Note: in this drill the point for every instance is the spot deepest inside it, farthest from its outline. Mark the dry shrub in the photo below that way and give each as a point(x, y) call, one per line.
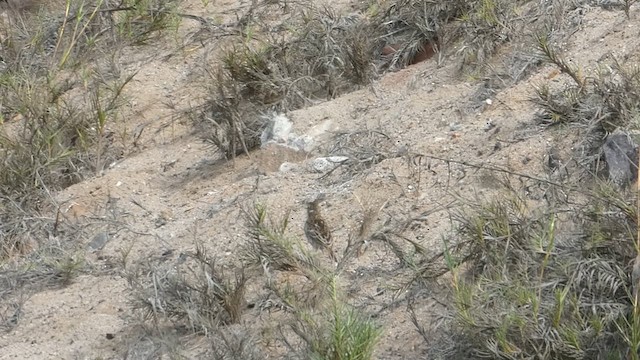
point(269, 246)
point(358, 151)
point(595, 106)
point(411, 26)
point(317, 56)
point(56, 108)
point(226, 120)
point(527, 285)
point(199, 297)
point(60, 136)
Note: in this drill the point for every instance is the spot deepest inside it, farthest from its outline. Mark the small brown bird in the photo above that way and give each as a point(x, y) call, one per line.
point(316, 229)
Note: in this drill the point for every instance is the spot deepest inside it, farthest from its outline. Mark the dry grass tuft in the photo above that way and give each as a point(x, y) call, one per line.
point(199, 297)
point(59, 101)
point(269, 246)
point(358, 151)
point(596, 106)
point(525, 284)
point(317, 55)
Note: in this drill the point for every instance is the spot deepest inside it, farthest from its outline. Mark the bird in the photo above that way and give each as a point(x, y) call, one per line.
point(316, 229)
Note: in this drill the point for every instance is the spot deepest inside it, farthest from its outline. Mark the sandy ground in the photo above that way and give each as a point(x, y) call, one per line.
point(171, 188)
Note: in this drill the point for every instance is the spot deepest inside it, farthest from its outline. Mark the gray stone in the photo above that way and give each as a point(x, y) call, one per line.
point(99, 241)
point(277, 131)
point(324, 164)
point(288, 167)
point(621, 157)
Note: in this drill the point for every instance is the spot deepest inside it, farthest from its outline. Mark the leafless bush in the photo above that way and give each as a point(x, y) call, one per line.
point(199, 297)
point(360, 150)
point(411, 26)
point(234, 344)
point(227, 120)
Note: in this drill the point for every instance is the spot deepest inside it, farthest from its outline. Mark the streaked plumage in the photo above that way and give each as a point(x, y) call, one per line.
point(316, 229)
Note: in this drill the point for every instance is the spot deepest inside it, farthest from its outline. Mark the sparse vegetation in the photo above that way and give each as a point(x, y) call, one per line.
point(325, 326)
point(199, 296)
point(596, 105)
point(320, 323)
point(317, 55)
point(546, 277)
point(269, 244)
point(524, 286)
point(58, 108)
point(336, 331)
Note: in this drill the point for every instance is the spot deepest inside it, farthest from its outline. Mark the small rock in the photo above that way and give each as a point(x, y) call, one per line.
point(488, 126)
point(287, 167)
point(214, 209)
point(98, 242)
point(160, 221)
point(278, 130)
point(620, 154)
point(325, 164)
point(303, 143)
